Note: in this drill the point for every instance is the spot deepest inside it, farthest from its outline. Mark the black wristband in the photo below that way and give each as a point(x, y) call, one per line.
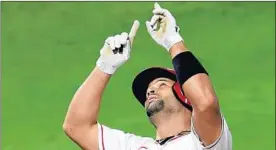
point(186, 65)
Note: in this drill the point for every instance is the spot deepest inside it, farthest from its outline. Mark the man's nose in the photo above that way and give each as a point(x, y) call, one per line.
point(150, 91)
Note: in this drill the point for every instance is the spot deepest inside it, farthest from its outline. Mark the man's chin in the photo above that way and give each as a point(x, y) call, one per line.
point(154, 107)
point(151, 104)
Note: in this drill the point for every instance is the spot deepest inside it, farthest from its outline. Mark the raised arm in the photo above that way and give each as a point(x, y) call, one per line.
point(190, 74)
point(198, 89)
point(81, 119)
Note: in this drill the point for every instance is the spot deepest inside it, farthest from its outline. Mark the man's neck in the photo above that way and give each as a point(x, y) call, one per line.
point(172, 124)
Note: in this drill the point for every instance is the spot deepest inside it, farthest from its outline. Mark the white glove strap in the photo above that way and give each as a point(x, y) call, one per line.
point(171, 40)
point(105, 67)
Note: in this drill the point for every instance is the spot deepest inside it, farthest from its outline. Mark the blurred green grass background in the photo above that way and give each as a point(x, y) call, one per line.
point(49, 48)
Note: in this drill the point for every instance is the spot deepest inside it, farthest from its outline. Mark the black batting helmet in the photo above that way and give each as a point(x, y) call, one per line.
point(143, 79)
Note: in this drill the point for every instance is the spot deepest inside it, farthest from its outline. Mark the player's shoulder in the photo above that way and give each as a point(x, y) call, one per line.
point(224, 141)
point(119, 139)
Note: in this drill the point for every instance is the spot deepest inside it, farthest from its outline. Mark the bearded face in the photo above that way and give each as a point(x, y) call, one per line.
point(160, 96)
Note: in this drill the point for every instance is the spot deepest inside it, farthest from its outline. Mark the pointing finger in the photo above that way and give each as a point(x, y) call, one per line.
point(133, 31)
point(157, 6)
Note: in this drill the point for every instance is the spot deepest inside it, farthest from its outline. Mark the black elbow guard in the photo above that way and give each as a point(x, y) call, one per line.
point(186, 65)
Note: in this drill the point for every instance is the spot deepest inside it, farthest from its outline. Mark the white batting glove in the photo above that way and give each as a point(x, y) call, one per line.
point(168, 33)
point(116, 50)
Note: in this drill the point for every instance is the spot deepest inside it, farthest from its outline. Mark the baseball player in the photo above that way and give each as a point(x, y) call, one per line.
point(181, 104)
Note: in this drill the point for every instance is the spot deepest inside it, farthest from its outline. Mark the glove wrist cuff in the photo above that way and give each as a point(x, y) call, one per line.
point(105, 67)
point(171, 40)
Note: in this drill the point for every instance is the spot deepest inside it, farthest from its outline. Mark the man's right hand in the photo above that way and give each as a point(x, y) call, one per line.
point(116, 50)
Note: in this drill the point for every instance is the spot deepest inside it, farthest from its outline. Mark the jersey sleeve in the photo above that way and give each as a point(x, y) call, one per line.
point(223, 142)
point(113, 139)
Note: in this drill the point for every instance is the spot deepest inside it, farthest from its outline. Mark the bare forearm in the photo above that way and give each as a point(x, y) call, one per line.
point(198, 89)
point(85, 104)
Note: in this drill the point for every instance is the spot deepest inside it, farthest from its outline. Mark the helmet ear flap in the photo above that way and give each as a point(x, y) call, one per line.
point(179, 94)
